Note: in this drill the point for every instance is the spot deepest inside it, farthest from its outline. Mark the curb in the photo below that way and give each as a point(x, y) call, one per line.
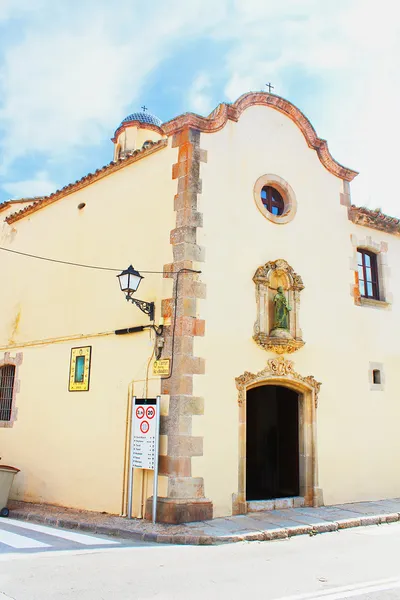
point(208, 540)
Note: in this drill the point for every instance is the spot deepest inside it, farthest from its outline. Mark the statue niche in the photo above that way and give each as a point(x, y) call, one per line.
point(278, 290)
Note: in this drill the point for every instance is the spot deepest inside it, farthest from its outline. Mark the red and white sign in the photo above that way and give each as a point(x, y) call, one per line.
point(150, 412)
point(140, 412)
point(145, 427)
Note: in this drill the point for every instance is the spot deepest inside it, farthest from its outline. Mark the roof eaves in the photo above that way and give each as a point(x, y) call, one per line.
point(375, 219)
point(139, 125)
point(8, 203)
point(23, 200)
point(88, 179)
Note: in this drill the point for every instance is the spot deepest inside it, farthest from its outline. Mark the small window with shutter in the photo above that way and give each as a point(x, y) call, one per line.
point(7, 381)
point(376, 376)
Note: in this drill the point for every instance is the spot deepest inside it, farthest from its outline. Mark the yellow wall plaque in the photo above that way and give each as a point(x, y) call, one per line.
point(79, 371)
point(161, 367)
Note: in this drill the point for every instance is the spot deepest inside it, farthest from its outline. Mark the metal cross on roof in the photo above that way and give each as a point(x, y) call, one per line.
point(144, 108)
point(270, 87)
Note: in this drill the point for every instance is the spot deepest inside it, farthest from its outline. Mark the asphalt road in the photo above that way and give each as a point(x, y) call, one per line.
point(359, 563)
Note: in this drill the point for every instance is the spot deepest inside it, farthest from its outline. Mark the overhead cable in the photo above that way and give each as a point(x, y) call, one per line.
point(73, 264)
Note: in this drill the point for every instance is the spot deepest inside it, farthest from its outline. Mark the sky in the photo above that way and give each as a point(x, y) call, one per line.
point(71, 70)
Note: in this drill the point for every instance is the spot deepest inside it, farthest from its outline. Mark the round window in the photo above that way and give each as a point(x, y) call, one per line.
point(275, 199)
point(272, 200)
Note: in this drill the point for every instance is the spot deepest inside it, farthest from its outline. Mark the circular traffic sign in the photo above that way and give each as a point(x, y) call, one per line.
point(150, 412)
point(144, 427)
point(140, 412)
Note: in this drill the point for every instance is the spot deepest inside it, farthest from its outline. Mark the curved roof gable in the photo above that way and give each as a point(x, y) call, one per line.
point(224, 112)
point(215, 121)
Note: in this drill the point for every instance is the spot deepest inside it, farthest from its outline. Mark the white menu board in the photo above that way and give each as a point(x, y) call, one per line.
point(145, 432)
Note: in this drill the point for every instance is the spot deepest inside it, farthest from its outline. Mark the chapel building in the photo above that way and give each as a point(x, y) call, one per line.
point(276, 301)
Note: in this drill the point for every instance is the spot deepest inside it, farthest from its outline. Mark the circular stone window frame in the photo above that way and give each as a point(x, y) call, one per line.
point(287, 193)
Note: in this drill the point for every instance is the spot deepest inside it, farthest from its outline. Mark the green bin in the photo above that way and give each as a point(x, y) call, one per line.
point(6, 478)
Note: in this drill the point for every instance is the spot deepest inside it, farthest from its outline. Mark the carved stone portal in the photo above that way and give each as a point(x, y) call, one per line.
point(278, 367)
point(278, 290)
point(280, 371)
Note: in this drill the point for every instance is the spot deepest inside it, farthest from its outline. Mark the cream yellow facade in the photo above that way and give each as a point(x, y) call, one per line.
point(71, 445)
point(190, 201)
point(356, 427)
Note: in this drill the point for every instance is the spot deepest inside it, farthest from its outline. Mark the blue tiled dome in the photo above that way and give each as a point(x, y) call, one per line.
point(143, 117)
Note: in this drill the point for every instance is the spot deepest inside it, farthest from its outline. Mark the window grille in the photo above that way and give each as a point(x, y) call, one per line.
point(7, 378)
point(272, 200)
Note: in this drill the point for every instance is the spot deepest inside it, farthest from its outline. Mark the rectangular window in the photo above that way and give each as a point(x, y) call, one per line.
point(367, 266)
point(376, 377)
point(7, 378)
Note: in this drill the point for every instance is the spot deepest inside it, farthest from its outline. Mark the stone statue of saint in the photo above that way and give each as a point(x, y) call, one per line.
point(282, 309)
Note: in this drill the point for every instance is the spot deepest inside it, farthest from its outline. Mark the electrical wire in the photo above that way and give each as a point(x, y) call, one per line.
point(73, 264)
point(54, 260)
point(178, 273)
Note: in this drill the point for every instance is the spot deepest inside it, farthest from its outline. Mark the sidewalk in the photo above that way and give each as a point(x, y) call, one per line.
point(263, 525)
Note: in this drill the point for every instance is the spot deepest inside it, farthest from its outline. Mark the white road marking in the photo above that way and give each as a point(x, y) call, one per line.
point(19, 541)
point(7, 556)
point(348, 591)
point(364, 590)
point(80, 538)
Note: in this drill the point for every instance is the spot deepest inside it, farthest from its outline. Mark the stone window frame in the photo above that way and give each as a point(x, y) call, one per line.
point(376, 387)
point(380, 249)
point(16, 362)
point(286, 192)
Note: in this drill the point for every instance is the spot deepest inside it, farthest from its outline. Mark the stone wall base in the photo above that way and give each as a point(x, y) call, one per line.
point(318, 497)
point(180, 510)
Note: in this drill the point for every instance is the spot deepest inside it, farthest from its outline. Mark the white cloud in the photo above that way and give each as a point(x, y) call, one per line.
point(75, 68)
point(68, 80)
point(199, 97)
point(10, 9)
point(60, 91)
point(41, 185)
point(351, 48)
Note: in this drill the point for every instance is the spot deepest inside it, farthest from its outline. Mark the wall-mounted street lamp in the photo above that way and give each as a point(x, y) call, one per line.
point(129, 281)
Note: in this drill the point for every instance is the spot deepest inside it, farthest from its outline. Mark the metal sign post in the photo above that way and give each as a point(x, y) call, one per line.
point(144, 444)
point(130, 473)
point(157, 445)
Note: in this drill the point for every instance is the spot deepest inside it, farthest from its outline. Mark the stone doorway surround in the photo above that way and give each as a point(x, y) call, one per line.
point(280, 371)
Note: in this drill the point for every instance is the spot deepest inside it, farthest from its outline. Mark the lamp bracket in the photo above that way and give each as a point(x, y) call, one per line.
point(146, 307)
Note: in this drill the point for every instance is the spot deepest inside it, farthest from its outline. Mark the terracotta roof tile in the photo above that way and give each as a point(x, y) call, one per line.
point(375, 219)
point(9, 203)
point(88, 179)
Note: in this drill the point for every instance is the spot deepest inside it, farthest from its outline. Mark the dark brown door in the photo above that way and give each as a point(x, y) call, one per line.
point(272, 445)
